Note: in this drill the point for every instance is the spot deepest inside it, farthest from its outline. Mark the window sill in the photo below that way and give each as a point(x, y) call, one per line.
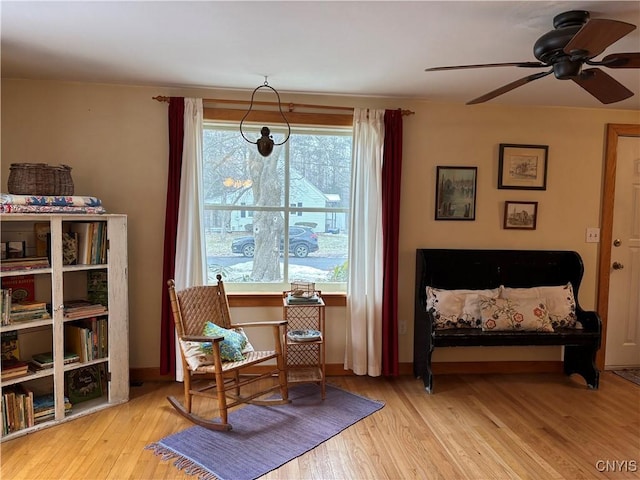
point(275, 299)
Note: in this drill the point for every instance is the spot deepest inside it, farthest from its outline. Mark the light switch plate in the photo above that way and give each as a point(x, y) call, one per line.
point(593, 235)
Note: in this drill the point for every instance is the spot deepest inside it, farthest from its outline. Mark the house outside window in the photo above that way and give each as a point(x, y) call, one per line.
point(272, 220)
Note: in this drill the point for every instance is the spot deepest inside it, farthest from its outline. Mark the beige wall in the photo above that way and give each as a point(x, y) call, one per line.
point(115, 138)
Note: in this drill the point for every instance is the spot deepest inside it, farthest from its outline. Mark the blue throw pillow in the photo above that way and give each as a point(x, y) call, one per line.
point(232, 345)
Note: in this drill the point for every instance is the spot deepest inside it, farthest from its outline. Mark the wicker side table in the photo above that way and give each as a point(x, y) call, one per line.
point(305, 358)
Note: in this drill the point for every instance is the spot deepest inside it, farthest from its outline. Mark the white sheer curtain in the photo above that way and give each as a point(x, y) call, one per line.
point(191, 264)
point(363, 352)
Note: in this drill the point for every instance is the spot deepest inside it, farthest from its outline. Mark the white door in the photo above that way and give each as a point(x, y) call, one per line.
point(623, 325)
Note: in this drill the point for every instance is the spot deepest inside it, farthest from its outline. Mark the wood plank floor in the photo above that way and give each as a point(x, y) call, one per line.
point(525, 426)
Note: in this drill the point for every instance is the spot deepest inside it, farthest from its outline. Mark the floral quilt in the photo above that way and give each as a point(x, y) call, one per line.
point(10, 203)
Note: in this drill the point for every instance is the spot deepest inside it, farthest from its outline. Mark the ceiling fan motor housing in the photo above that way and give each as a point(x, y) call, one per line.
point(549, 48)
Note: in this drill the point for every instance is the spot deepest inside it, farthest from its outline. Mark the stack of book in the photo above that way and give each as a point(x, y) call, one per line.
point(45, 360)
point(17, 409)
point(25, 263)
point(28, 310)
point(82, 308)
point(44, 407)
point(302, 299)
point(87, 338)
point(13, 367)
point(92, 242)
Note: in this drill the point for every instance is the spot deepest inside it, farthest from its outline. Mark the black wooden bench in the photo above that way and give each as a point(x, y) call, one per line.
point(453, 269)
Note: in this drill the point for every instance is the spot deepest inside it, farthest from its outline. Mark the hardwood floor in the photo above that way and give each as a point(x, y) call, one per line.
point(533, 426)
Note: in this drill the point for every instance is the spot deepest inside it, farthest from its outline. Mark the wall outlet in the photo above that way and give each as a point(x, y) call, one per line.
point(402, 327)
point(593, 235)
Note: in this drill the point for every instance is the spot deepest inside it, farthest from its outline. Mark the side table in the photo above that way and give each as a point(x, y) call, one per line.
point(305, 358)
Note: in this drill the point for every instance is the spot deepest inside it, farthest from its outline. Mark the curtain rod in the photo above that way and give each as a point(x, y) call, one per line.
point(291, 106)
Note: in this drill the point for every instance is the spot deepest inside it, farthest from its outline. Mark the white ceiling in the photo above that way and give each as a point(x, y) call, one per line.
point(378, 48)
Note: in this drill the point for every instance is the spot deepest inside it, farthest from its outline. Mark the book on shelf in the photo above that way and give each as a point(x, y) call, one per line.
point(13, 367)
point(41, 231)
point(83, 230)
point(17, 408)
point(10, 364)
point(82, 308)
point(75, 340)
point(98, 287)
point(83, 384)
point(45, 360)
point(22, 287)
point(16, 249)
point(304, 300)
point(91, 241)
point(28, 317)
point(87, 338)
point(69, 248)
point(3, 250)
point(9, 345)
point(29, 310)
point(26, 263)
point(5, 306)
point(28, 306)
point(44, 407)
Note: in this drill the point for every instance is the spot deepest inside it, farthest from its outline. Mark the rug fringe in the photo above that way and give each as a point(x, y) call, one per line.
point(181, 463)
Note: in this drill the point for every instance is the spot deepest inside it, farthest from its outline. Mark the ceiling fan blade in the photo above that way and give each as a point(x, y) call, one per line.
point(602, 86)
point(596, 35)
point(622, 60)
point(483, 65)
point(508, 87)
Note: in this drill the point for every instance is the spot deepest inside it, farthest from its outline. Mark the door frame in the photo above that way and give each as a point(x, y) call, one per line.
point(614, 131)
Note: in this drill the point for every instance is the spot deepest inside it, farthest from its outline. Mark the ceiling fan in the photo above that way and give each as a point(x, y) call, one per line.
point(574, 42)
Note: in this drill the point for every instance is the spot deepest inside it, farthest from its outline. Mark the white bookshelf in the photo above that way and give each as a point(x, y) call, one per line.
point(60, 283)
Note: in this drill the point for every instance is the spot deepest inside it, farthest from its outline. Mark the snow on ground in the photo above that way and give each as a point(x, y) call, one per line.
point(240, 272)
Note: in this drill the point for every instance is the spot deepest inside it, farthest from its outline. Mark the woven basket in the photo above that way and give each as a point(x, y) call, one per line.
point(40, 179)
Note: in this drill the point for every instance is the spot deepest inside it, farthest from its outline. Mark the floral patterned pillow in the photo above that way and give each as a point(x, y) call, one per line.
point(506, 314)
point(194, 355)
point(457, 308)
point(230, 348)
point(560, 302)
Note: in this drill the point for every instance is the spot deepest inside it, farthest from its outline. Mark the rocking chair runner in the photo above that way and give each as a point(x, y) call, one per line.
point(192, 308)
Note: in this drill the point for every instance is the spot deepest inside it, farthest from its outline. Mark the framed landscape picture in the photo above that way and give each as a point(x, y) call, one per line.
point(520, 215)
point(456, 193)
point(523, 167)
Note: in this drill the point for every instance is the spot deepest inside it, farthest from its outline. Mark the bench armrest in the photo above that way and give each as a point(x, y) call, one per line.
point(590, 321)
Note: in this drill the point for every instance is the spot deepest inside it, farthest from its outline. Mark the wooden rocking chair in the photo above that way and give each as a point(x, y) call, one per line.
point(192, 308)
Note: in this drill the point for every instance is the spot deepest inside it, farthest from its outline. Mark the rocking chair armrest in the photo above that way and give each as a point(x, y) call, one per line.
point(275, 323)
point(202, 338)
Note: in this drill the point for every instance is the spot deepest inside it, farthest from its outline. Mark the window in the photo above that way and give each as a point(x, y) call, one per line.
point(269, 221)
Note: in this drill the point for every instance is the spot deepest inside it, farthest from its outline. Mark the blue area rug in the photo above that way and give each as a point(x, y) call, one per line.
point(265, 438)
point(631, 374)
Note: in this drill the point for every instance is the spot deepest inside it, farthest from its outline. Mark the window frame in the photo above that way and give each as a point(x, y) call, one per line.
point(244, 293)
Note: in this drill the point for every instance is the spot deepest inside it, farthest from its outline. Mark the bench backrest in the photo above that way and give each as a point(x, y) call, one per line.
point(480, 269)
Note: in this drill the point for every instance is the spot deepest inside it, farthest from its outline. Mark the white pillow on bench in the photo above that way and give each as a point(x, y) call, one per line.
point(457, 308)
point(560, 300)
point(517, 315)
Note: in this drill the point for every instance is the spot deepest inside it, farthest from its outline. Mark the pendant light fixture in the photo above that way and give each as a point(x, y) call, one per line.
point(265, 143)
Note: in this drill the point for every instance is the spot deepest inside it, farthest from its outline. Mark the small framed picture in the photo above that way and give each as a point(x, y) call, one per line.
point(523, 167)
point(456, 193)
point(520, 215)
